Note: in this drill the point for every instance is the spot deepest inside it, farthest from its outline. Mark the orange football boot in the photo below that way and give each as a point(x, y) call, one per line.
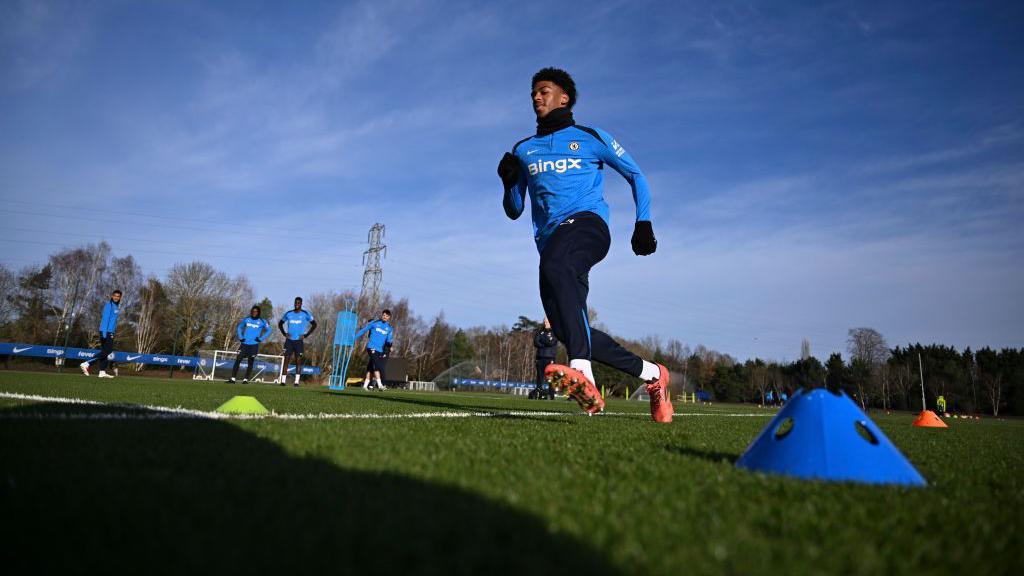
point(661, 401)
point(576, 385)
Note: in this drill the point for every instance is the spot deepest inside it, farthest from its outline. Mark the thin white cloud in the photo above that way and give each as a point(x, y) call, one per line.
point(40, 41)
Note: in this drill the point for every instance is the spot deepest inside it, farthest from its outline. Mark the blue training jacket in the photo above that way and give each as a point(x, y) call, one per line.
point(250, 330)
point(108, 321)
point(380, 333)
point(296, 323)
point(563, 173)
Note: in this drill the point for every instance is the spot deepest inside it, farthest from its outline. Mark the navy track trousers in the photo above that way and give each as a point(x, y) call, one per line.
point(578, 243)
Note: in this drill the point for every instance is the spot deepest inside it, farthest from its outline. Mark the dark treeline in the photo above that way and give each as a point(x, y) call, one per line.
point(196, 307)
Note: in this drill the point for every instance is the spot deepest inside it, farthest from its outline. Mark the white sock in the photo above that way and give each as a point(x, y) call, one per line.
point(583, 366)
point(296, 378)
point(376, 381)
point(650, 372)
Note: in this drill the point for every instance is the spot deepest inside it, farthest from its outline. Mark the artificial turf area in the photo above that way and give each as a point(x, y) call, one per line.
point(121, 487)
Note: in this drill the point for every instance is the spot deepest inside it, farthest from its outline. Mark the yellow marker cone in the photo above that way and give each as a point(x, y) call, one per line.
point(242, 405)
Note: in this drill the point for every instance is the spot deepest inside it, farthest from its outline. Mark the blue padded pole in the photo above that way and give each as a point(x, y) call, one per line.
point(344, 340)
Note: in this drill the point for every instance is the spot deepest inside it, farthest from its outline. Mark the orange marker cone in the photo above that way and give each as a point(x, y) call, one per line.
point(928, 419)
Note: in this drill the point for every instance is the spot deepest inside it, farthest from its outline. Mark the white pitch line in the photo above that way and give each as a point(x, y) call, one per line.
point(152, 412)
point(162, 412)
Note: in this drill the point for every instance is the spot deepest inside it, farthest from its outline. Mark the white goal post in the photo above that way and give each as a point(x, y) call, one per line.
point(217, 365)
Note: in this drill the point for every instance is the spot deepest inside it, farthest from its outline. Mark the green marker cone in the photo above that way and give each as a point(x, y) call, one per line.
point(242, 405)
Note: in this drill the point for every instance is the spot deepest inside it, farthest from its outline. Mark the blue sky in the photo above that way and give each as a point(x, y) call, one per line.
point(814, 166)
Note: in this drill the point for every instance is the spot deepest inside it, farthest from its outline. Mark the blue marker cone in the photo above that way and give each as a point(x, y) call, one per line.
point(823, 436)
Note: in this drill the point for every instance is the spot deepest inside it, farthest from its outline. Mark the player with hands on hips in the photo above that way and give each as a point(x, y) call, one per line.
point(296, 325)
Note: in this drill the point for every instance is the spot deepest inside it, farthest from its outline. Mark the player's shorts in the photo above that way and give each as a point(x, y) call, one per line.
point(375, 361)
point(248, 350)
point(293, 346)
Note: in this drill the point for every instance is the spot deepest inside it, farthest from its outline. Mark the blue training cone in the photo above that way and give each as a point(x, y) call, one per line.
point(824, 436)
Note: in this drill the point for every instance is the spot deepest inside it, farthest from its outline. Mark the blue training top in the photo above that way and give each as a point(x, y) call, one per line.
point(380, 334)
point(296, 323)
point(108, 321)
point(562, 172)
point(250, 330)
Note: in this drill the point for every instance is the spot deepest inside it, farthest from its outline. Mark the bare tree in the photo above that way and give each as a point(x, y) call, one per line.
point(234, 302)
point(147, 324)
point(8, 288)
point(994, 387)
point(191, 288)
point(436, 348)
point(677, 351)
point(124, 274)
point(902, 379)
point(885, 372)
point(758, 371)
point(77, 273)
point(867, 349)
point(868, 345)
point(990, 366)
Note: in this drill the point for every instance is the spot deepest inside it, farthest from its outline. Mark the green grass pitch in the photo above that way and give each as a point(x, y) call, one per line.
point(114, 486)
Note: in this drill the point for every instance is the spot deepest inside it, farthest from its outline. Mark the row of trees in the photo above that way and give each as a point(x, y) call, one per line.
point(972, 382)
point(197, 307)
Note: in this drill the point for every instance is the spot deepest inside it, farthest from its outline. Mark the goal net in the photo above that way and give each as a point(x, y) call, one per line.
point(217, 365)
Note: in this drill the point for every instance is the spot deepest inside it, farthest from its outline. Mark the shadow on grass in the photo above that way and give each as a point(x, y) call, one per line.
point(711, 455)
point(180, 496)
point(497, 409)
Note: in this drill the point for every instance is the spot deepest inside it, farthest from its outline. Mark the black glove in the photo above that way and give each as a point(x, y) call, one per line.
point(387, 349)
point(508, 169)
point(644, 243)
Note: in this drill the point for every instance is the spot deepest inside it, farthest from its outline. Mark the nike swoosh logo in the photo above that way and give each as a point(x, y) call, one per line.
point(532, 151)
point(221, 363)
point(130, 358)
point(16, 349)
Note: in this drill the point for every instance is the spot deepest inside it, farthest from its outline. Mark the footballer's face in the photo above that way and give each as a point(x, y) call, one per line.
point(254, 313)
point(298, 304)
point(385, 317)
point(547, 96)
point(116, 297)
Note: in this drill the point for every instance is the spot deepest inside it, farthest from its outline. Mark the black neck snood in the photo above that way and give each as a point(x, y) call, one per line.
point(555, 120)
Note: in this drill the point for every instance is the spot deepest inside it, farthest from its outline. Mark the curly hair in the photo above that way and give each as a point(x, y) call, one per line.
point(560, 78)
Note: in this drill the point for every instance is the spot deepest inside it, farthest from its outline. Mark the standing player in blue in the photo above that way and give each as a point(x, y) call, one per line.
point(108, 323)
point(562, 168)
point(296, 325)
point(250, 331)
point(378, 346)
